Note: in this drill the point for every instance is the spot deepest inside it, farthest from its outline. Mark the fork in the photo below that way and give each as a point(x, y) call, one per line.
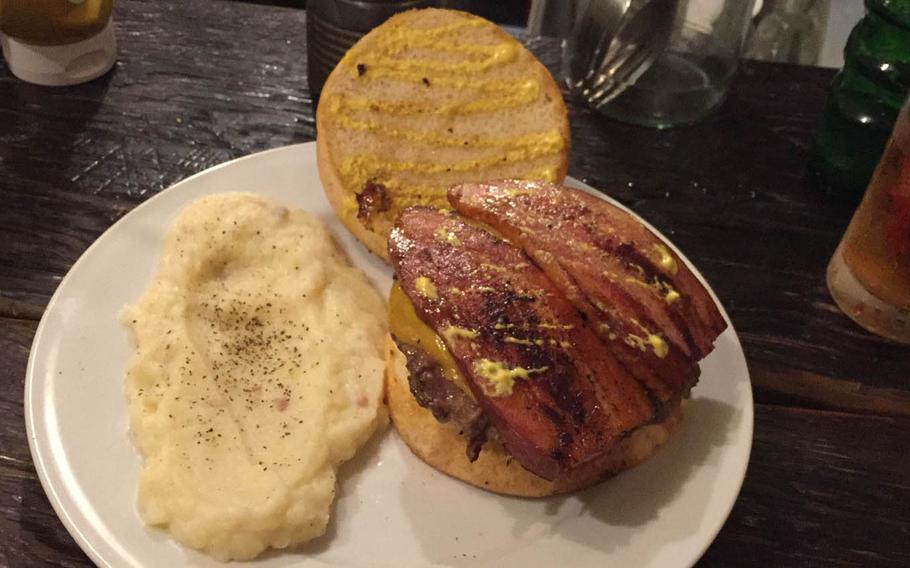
point(642, 36)
point(598, 24)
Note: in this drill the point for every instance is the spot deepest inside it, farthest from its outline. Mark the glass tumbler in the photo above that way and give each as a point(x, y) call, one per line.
point(869, 274)
point(57, 42)
point(689, 78)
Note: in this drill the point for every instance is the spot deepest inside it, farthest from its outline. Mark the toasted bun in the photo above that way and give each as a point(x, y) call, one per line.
point(428, 99)
point(443, 448)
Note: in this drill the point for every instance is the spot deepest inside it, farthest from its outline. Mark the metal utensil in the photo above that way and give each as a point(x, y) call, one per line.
point(641, 36)
point(598, 23)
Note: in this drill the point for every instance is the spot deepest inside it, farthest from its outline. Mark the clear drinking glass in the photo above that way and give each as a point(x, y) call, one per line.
point(869, 274)
point(690, 77)
point(57, 42)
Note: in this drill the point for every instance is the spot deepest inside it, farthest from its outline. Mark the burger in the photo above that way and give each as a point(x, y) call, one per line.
point(541, 338)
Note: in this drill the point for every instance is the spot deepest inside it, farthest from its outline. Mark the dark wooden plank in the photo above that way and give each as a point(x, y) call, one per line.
point(30, 533)
point(287, 3)
point(823, 489)
point(184, 97)
point(195, 85)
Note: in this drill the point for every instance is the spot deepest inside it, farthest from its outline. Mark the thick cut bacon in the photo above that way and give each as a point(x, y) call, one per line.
point(651, 311)
point(557, 399)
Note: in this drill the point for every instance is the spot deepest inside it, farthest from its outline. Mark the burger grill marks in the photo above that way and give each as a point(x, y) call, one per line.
point(445, 400)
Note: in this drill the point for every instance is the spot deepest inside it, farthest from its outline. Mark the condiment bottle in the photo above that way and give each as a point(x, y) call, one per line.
point(864, 101)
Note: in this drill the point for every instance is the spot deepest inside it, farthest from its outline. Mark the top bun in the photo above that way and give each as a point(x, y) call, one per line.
point(429, 99)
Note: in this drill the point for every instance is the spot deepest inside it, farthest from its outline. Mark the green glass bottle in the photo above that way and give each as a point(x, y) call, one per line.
point(864, 100)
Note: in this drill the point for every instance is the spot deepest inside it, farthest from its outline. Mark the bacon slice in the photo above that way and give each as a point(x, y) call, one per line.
point(557, 399)
point(648, 307)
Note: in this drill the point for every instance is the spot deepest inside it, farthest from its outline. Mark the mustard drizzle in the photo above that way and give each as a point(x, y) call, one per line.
point(377, 61)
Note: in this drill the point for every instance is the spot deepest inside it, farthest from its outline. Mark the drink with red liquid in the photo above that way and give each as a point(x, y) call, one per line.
point(869, 275)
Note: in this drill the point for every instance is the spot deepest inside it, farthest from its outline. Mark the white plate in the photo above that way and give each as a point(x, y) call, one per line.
point(393, 510)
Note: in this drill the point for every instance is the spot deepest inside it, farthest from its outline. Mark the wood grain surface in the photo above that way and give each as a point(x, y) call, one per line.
point(199, 82)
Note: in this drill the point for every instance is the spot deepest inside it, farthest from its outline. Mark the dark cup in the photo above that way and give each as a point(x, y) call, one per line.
point(333, 26)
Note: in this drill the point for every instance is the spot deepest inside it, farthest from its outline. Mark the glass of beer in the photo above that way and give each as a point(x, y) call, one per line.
point(869, 275)
point(57, 42)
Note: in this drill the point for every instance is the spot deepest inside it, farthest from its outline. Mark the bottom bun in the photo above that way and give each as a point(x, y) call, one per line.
point(495, 470)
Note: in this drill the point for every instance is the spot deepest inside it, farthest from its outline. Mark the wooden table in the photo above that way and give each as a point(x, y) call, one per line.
point(200, 82)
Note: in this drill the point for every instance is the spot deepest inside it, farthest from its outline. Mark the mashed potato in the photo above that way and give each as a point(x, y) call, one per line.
point(258, 370)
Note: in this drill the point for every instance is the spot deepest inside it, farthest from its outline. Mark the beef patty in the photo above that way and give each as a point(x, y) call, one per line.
point(447, 402)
